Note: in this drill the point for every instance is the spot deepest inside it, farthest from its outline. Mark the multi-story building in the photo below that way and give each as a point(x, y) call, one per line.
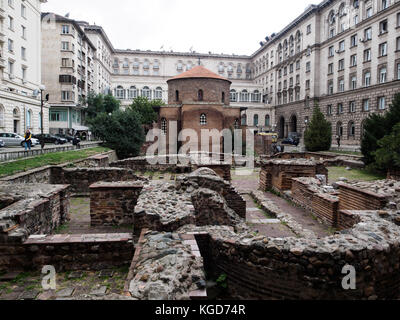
point(20, 67)
point(68, 71)
point(342, 54)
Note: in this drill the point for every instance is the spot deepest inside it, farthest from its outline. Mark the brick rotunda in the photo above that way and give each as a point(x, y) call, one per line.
point(198, 99)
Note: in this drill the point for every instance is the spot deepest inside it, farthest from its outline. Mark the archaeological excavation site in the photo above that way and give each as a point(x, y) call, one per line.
point(131, 230)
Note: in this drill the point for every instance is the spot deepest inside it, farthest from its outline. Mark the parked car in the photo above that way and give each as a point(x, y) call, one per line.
point(13, 139)
point(69, 138)
point(2, 144)
point(291, 141)
point(49, 138)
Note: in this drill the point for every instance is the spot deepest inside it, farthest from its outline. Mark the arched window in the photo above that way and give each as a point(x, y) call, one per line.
point(223, 97)
point(158, 93)
point(16, 113)
point(233, 95)
point(146, 93)
point(203, 119)
point(200, 95)
point(244, 120)
point(2, 116)
point(132, 92)
point(244, 96)
point(256, 96)
point(164, 126)
point(126, 63)
point(332, 17)
point(267, 120)
point(177, 96)
point(29, 119)
point(339, 129)
point(255, 120)
point(120, 92)
point(352, 129)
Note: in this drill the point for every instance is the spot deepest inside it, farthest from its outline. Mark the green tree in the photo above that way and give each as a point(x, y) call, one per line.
point(388, 154)
point(99, 103)
point(376, 127)
point(318, 136)
point(145, 109)
point(122, 131)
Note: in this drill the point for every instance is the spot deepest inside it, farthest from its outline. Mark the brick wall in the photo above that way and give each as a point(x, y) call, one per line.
point(352, 198)
point(113, 203)
point(68, 252)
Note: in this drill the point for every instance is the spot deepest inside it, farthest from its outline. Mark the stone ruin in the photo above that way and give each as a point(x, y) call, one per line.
point(195, 225)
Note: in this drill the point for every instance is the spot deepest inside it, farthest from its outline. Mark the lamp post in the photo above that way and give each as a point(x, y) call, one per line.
point(42, 88)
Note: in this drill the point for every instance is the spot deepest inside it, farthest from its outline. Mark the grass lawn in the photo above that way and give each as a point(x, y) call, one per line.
point(355, 174)
point(10, 168)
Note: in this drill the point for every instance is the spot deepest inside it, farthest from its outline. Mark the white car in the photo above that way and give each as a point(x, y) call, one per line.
point(13, 139)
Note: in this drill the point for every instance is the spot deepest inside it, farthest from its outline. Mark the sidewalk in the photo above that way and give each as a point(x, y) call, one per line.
point(8, 154)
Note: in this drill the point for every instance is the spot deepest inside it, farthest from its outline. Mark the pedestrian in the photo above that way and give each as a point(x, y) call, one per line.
point(338, 140)
point(28, 140)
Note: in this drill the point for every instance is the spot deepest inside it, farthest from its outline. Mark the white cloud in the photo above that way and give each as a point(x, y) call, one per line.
point(219, 26)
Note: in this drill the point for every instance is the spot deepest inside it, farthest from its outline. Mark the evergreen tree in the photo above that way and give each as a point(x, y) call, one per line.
point(98, 103)
point(145, 109)
point(318, 136)
point(388, 155)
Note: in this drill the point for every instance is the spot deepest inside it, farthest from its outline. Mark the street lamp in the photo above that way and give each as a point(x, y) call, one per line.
point(42, 88)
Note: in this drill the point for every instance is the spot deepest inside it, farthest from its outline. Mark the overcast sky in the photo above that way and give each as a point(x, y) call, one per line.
point(219, 26)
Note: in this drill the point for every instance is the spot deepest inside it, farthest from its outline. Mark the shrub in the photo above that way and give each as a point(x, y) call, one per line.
point(318, 136)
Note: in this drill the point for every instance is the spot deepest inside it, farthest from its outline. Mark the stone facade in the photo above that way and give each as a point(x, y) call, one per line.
point(113, 203)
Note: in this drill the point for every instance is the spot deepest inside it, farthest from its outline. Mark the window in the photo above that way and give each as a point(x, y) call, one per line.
point(233, 95)
point(23, 53)
point(11, 68)
point(354, 82)
point(203, 120)
point(158, 93)
point(329, 110)
point(367, 55)
point(177, 96)
point(23, 11)
point(11, 23)
point(382, 103)
point(29, 119)
point(200, 95)
point(382, 75)
point(366, 104)
point(368, 34)
point(340, 108)
point(385, 4)
point(330, 87)
point(255, 120)
point(398, 71)
point(331, 51)
point(133, 92)
point(383, 27)
point(66, 96)
point(341, 65)
point(398, 44)
point(23, 32)
point(267, 120)
point(309, 29)
point(10, 45)
point(308, 66)
point(308, 84)
point(244, 120)
point(398, 19)
point(146, 93)
point(11, 3)
point(383, 49)
point(352, 129)
point(23, 71)
point(367, 78)
point(65, 29)
point(356, 19)
point(352, 107)
point(341, 46)
point(353, 60)
point(58, 116)
point(368, 12)
point(341, 85)
point(354, 40)
point(120, 93)
point(244, 96)
point(164, 126)
point(65, 45)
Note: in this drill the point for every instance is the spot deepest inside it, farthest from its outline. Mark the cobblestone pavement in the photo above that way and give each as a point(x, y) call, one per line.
point(245, 183)
point(69, 285)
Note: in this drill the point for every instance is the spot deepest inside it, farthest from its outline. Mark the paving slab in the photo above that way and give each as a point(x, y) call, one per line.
point(28, 295)
point(106, 273)
point(99, 291)
point(65, 293)
point(75, 275)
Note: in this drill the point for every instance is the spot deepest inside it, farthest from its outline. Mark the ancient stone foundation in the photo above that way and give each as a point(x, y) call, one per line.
point(113, 203)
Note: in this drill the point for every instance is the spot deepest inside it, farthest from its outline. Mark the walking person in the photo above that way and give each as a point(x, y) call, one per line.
point(28, 140)
point(338, 140)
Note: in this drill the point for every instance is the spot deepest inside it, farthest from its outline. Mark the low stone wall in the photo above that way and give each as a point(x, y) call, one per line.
point(308, 268)
point(346, 219)
point(80, 179)
point(278, 174)
point(143, 164)
point(113, 203)
point(353, 198)
point(68, 252)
